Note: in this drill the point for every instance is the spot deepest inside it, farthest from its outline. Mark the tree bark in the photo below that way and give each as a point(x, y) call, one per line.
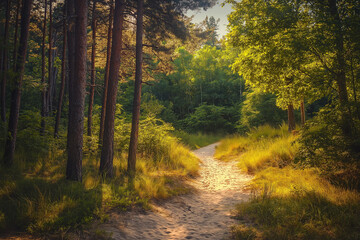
point(107, 153)
point(16, 34)
point(43, 91)
point(291, 118)
point(107, 68)
point(16, 92)
point(93, 53)
point(302, 110)
point(354, 89)
point(137, 91)
point(50, 82)
point(4, 69)
point(77, 95)
point(63, 75)
point(346, 119)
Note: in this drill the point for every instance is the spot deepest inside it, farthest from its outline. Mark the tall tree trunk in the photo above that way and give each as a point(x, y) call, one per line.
point(302, 110)
point(43, 91)
point(341, 69)
point(77, 95)
point(16, 92)
point(50, 82)
point(4, 69)
point(137, 91)
point(354, 89)
point(71, 61)
point(54, 72)
point(93, 53)
point(291, 118)
point(107, 153)
point(107, 67)
point(16, 34)
point(63, 74)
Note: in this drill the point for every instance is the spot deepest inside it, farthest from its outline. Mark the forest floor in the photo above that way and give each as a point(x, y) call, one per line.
point(205, 213)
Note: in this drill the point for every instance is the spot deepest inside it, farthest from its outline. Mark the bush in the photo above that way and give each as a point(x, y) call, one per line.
point(258, 109)
point(210, 119)
point(323, 146)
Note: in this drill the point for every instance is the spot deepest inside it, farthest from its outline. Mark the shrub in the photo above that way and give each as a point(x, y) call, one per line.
point(210, 119)
point(258, 109)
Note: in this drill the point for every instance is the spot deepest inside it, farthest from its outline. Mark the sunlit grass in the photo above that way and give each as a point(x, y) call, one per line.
point(288, 202)
point(298, 204)
point(35, 197)
point(263, 147)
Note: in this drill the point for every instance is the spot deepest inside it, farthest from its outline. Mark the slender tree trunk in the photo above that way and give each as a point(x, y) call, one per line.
point(354, 89)
point(77, 95)
point(16, 34)
point(107, 68)
point(70, 45)
point(54, 72)
point(50, 82)
point(137, 91)
point(291, 118)
point(4, 69)
point(43, 91)
point(93, 53)
point(107, 153)
point(71, 63)
point(346, 118)
point(302, 110)
point(16, 92)
point(63, 75)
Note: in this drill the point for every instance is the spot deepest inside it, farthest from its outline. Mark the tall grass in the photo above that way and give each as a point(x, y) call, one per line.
point(35, 196)
point(288, 202)
point(263, 147)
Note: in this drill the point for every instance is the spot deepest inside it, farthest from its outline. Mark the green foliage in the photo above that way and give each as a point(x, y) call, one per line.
point(324, 146)
point(35, 197)
point(202, 78)
point(210, 118)
point(258, 109)
point(196, 140)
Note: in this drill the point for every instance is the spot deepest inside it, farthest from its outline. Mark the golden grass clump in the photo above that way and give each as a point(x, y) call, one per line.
point(288, 202)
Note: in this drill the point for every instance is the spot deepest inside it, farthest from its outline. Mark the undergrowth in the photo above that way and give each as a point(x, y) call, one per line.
point(197, 140)
point(35, 196)
point(288, 201)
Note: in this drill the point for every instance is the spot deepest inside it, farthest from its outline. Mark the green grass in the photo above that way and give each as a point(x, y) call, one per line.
point(36, 198)
point(263, 147)
point(288, 202)
point(197, 140)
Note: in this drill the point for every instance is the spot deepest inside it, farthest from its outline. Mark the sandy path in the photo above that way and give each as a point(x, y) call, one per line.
point(204, 214)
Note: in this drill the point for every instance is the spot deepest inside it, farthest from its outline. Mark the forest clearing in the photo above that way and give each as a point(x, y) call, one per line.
point(152, 119)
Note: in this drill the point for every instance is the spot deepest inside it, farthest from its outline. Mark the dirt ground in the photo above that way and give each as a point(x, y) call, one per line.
point(203, 214)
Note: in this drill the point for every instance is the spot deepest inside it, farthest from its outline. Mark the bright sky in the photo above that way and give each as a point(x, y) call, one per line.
point(217, 12)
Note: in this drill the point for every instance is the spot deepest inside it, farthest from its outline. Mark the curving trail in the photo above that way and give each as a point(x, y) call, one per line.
point(204, 214)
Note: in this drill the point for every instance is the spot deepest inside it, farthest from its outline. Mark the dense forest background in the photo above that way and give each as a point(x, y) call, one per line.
point(73, 75)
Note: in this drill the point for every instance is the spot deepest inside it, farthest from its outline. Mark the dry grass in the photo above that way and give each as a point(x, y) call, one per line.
point(288, 202)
